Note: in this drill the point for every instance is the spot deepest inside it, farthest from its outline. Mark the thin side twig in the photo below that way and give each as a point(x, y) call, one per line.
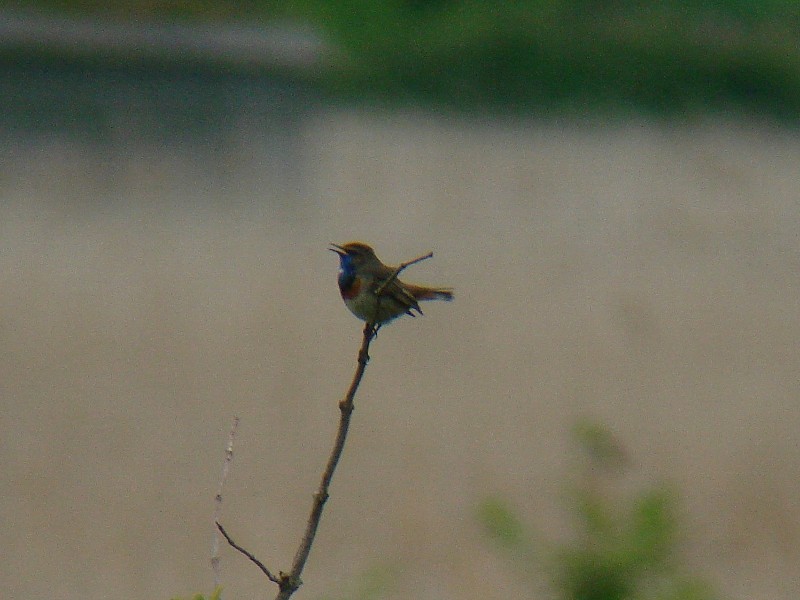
point(248, 554)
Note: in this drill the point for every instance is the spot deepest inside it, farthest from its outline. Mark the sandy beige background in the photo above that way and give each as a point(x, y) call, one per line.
point(642, 274)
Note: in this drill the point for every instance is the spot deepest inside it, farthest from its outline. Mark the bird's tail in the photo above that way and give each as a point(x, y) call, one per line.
point(425, 293)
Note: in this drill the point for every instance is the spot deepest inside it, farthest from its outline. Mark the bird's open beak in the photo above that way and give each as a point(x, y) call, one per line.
point(338, 249)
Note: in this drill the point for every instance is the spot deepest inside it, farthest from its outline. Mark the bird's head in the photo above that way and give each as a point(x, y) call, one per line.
point(354, 254)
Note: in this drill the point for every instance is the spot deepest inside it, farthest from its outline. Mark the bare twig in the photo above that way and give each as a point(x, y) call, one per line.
point(390, 279)
point(399, 268)
point(215, 559)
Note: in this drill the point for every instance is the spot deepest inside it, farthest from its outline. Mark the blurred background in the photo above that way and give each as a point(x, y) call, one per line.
point(610, 187)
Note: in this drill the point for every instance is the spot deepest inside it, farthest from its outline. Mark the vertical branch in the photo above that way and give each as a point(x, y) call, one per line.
point(290, 582)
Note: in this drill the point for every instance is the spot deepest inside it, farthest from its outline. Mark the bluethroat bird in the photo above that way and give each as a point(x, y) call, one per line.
point(362, 275)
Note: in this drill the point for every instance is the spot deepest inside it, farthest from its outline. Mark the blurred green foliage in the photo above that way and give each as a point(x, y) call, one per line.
point(215, 595)
point(549, 56)
point(622, 549)
point(373, 584)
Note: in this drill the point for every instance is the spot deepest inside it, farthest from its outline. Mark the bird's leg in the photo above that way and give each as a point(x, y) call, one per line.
point(375, 324)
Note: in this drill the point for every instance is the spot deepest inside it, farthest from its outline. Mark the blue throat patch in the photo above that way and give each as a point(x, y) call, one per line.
point(347, 273)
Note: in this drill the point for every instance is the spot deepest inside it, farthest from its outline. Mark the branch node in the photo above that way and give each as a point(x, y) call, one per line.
point(288, 583)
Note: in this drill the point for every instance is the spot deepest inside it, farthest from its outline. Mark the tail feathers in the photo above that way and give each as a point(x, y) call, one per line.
point(423, 293)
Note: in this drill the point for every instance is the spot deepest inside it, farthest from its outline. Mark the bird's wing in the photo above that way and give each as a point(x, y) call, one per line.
point(396, 292)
